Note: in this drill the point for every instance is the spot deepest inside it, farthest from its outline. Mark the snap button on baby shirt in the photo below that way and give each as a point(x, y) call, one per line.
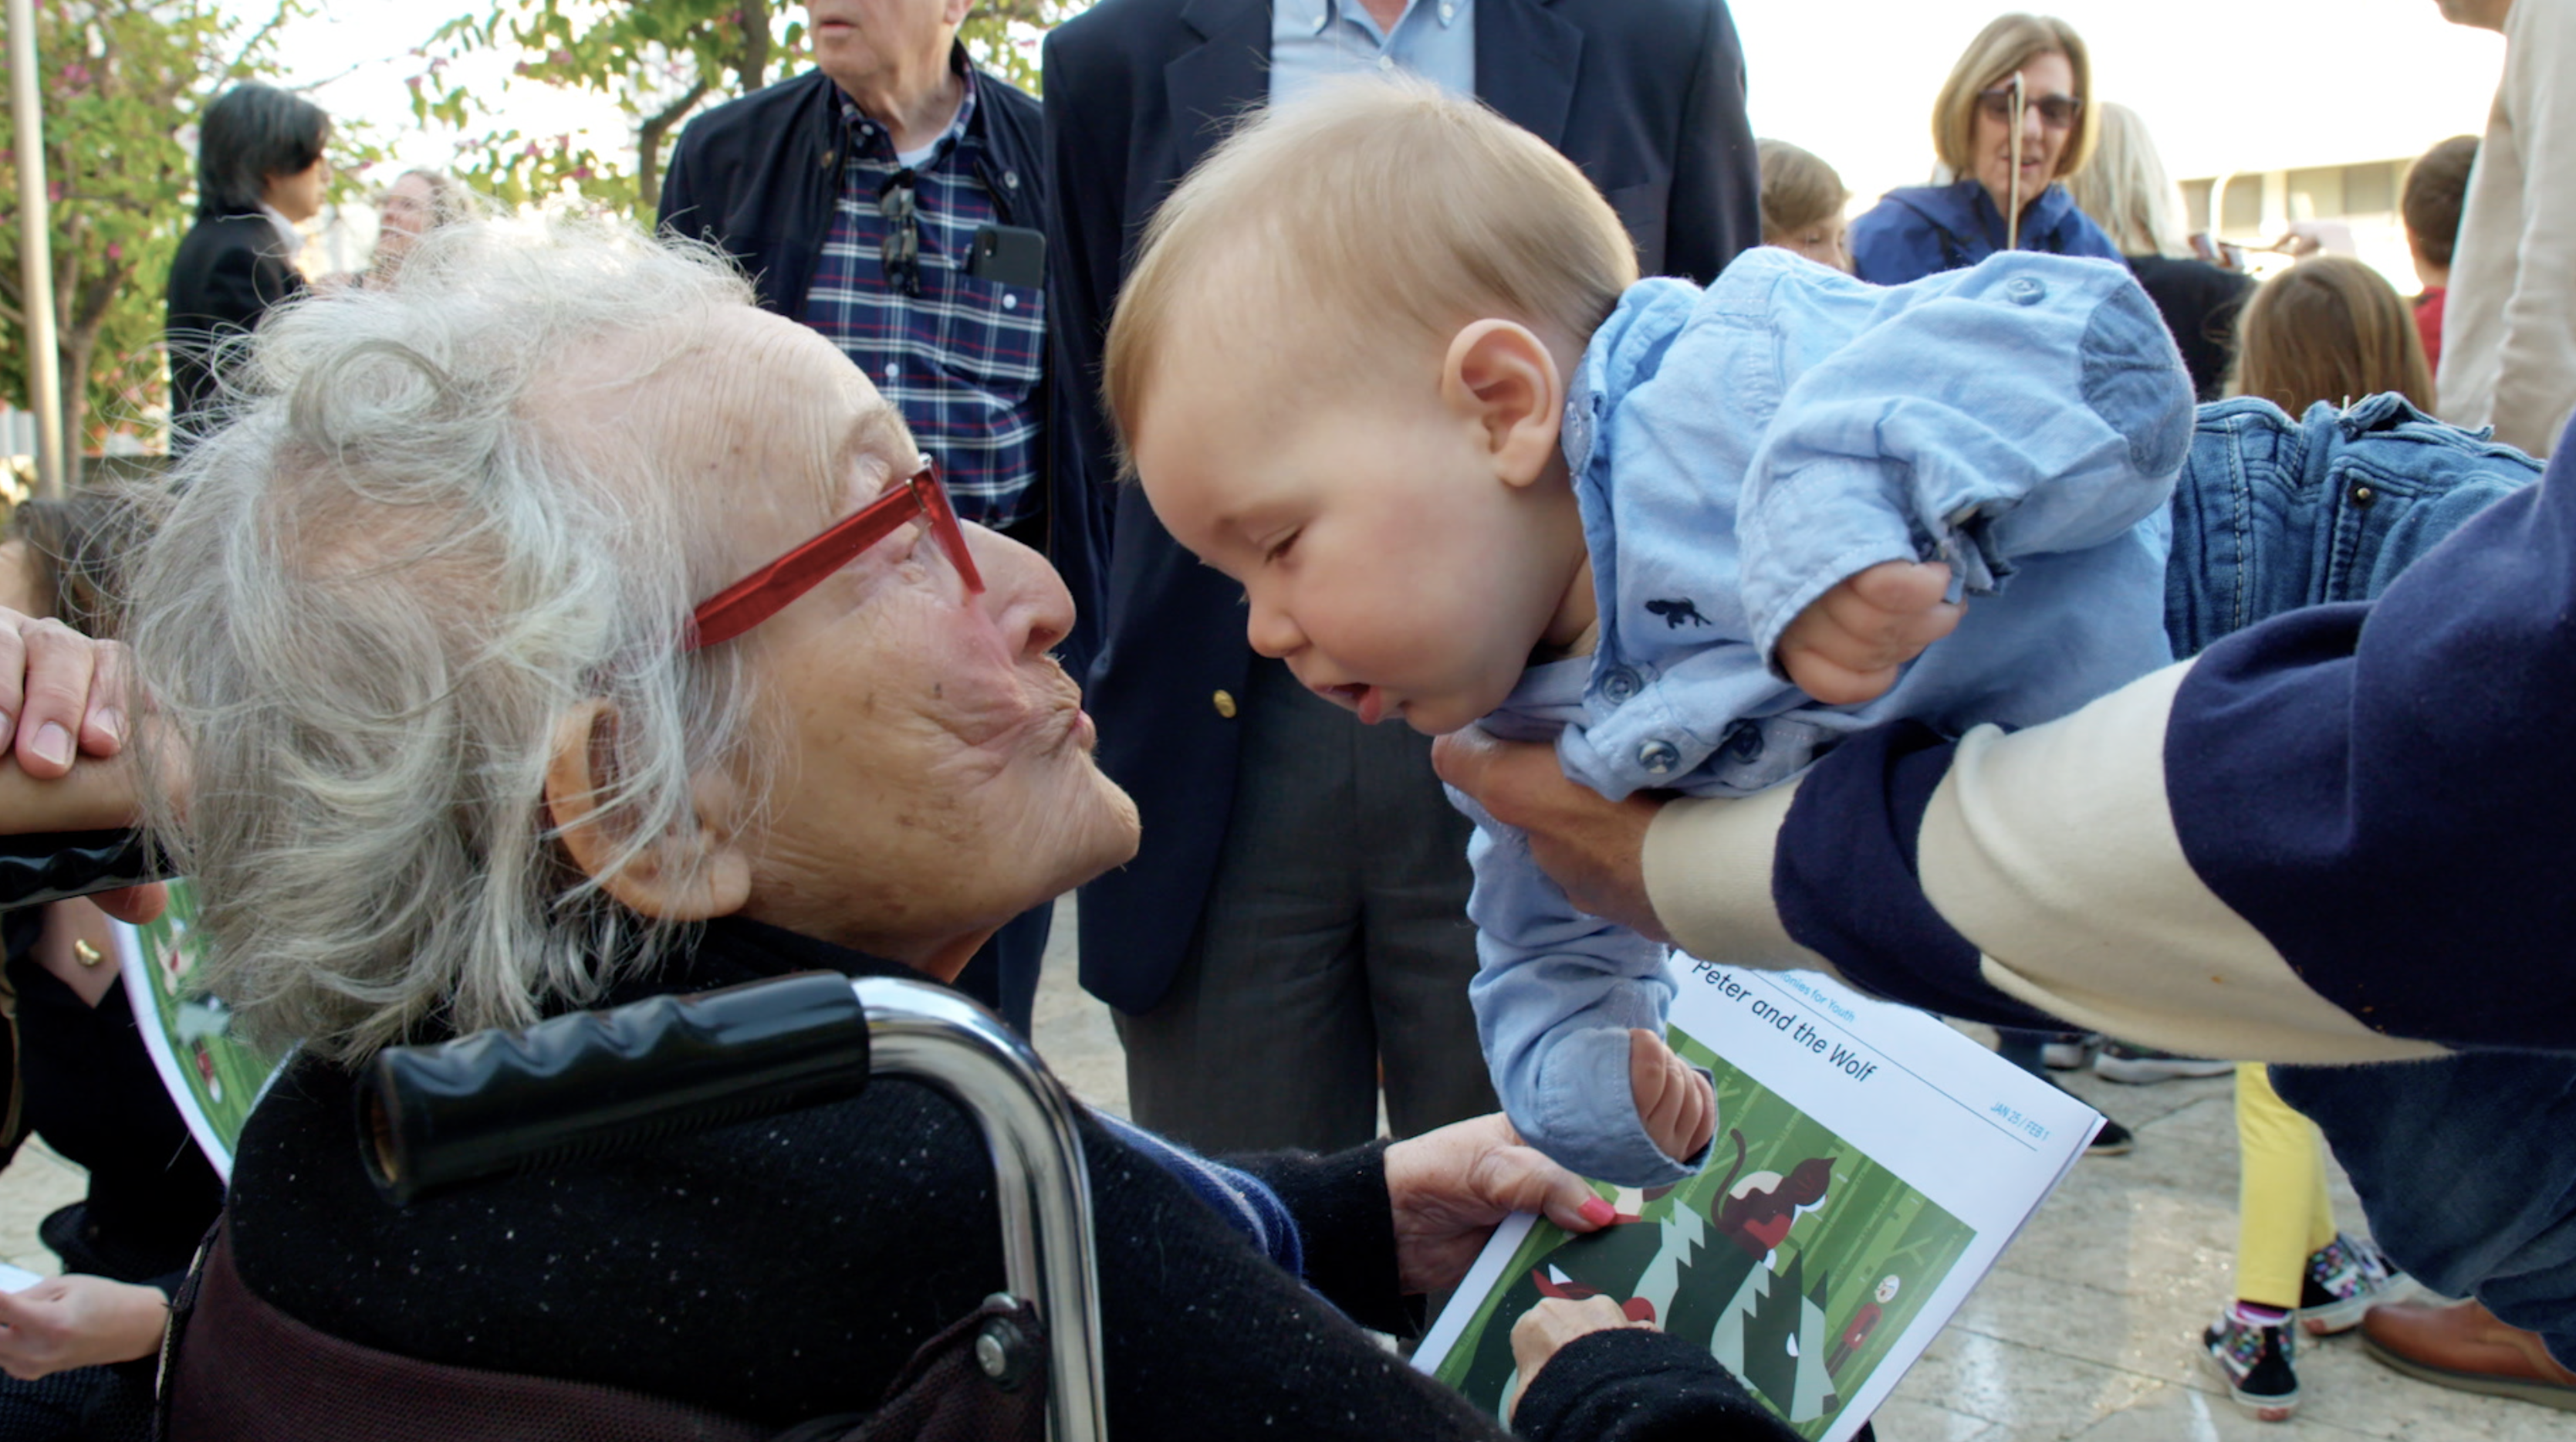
point(1618, 685)
point(2022, 290)
point(1576, 437)
point(1658, 757)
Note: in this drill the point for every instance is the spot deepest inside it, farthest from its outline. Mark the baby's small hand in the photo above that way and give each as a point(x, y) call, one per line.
point(1849, 643)
point(1675, 1102)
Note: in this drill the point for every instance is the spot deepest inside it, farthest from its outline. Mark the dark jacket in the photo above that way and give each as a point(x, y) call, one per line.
point(785, 1269)
point(759, 177)
point(1926, 229)
point(229, 271)
point(1646, 95)
point(2199, 302)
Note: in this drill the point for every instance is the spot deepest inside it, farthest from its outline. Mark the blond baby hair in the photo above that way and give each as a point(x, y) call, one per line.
point(1368, 209)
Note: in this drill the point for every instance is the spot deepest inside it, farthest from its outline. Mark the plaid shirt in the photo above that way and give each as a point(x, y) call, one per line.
point(960, 360)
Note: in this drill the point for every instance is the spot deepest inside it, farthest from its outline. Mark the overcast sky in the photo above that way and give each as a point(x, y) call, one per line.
point(2224, 84)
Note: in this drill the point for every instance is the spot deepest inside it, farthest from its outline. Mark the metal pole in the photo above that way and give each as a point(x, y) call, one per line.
point(35, 252)
point(2012, 220)
point(1039, 1177)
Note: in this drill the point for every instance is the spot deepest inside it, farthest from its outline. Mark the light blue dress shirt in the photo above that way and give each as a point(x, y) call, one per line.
point(1312, 41)
point(1735, 453)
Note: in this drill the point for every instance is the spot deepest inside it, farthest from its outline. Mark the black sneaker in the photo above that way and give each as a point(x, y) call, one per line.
point(2112, 1141)
point(2255, 1362)
point(2068, 1050)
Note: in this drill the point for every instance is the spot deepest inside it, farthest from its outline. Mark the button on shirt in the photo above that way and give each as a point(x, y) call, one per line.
point(1314, 40)
point(960, 360)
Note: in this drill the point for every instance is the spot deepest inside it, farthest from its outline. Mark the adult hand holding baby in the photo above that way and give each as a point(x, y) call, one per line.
point(1849, 644)
point(63, 710)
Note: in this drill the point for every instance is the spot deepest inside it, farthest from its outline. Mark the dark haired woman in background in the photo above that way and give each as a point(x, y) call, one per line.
point(259, 171)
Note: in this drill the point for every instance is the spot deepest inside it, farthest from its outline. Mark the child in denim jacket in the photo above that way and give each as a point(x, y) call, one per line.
point(1385, 359)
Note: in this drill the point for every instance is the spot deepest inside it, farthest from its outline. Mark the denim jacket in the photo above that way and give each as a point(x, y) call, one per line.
point(1735, 453)
point(2272, 513)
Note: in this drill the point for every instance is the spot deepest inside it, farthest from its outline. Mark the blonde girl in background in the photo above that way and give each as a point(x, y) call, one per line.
point(1802, 204)
point(2327, 329)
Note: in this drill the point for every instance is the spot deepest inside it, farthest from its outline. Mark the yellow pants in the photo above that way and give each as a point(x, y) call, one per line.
point(2282, 1212)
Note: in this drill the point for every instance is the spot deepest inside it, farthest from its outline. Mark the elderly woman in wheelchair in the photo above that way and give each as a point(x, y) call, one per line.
point(559, 631)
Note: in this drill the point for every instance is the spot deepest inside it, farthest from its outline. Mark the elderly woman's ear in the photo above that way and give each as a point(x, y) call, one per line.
point(692, 872)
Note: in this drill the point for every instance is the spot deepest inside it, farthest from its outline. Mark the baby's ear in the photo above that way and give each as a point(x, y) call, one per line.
point(1502, 376)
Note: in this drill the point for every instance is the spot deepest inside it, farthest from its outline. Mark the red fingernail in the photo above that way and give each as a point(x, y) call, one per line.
point(1596, 1211)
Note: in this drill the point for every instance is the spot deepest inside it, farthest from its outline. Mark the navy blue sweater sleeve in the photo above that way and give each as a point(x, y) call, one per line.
point(2380, 791)
point(2385, 792)
point(1848, 887)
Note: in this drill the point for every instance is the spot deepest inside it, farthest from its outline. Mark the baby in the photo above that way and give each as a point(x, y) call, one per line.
point(1385, 359)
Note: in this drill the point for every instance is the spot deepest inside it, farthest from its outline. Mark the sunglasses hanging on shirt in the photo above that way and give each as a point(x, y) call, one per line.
point(899, 252)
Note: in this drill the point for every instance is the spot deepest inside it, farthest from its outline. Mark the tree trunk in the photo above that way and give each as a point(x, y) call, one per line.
point(648, 143)
point(753, 64)
point(78, 349)
point(81, 326)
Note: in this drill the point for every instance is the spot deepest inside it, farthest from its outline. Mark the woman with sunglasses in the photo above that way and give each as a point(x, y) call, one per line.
point(560, 630)
point(2011, 122)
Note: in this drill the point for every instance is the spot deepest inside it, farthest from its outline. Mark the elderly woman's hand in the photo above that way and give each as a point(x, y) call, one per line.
point(1544, 1330)
point(61, 694)
point(78, 1321)
point(1585, 842)
point(1450, 1187)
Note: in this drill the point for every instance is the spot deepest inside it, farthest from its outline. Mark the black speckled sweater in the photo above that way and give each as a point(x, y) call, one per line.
point(786, 1269)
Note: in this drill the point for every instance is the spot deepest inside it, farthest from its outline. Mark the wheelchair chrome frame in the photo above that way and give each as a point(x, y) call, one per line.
point(1043, 1187)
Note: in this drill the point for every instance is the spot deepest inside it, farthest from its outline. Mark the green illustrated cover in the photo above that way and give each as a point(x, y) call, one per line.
point(214, 1079)
point(1795, 1258)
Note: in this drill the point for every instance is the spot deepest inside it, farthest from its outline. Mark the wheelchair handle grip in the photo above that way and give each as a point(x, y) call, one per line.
point(591, 1083)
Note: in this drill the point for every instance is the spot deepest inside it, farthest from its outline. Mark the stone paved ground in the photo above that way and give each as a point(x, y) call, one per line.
point(2087, 1330)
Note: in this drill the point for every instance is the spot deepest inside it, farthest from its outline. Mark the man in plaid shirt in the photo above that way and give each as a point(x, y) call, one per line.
point(851, 195)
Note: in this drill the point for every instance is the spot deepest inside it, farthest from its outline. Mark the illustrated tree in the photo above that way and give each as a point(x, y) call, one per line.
point(662, 61)
point(123, 84)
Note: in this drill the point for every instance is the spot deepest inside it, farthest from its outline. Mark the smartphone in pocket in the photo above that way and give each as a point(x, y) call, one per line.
point(1008, 255)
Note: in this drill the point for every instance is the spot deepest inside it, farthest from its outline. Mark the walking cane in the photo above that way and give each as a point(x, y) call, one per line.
point(2012, 218)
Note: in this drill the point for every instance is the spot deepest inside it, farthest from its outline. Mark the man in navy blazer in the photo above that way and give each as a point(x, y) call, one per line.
point(1296, 915)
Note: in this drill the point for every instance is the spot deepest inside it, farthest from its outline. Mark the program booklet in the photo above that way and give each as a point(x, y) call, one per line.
point(1869, 1166)
point(212, 1078)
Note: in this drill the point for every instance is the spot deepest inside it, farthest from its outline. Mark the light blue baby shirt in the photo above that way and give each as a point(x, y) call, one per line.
point(1736, 453)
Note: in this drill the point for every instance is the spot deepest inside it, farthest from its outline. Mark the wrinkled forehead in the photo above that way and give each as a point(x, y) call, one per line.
point(760, 421)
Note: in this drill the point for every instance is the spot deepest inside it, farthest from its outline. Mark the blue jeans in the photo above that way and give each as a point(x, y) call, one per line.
point(2467, 1165)
point(2466, 1169)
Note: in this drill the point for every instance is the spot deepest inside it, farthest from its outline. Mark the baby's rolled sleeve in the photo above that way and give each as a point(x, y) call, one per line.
point(1556, 993)
point(2032, 405)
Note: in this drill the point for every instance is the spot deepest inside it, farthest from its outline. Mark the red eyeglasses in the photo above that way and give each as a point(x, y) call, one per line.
point(765, 592)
